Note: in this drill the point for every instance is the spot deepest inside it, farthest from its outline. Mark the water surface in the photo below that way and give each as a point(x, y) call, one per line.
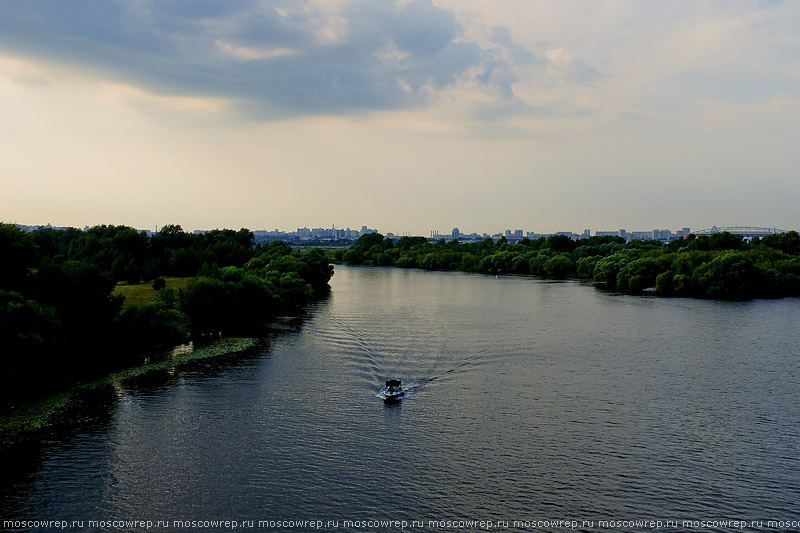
point(532, 400)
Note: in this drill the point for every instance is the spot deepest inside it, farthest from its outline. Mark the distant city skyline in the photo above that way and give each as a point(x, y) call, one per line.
point(333, 233)
point(410, 114)
point(499, 229)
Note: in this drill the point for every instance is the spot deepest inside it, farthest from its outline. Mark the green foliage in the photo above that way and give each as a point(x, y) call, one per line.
point(585, 267)
point(31, 335)
point(559, 266)
point(587, 250)
point(81, 296)
point(353, 256)
point(725, 241)
point(126, 254)
point(374, 249)
point(17, 256)
point(699, 267)
point(729, 276)
point(788, 243)
point(500, 262)
point(369, 240)
point(407, 243)
point(561, 243)
point(61, 317)
point(607, 269)
point(150, 326)
point(520, 263)
point(538, 260)
point(717, 242)
point(639, 274)
point(57, 319)
point(665, 283)
point(235, 300)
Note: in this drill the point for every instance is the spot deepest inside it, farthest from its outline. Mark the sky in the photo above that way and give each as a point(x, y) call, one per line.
point(407, 116)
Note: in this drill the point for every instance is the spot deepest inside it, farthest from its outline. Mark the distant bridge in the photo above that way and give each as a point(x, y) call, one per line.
point(744, 231)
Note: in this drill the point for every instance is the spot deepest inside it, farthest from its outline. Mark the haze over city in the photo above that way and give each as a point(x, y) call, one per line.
point(404, 115)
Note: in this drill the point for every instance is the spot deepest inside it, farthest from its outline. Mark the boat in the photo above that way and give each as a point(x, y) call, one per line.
point(393, 390)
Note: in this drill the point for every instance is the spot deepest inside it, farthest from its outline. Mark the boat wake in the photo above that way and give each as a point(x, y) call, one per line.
point(469, 361)
point(408, 387)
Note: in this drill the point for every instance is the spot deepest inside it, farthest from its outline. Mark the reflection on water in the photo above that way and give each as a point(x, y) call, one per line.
point(530, 400)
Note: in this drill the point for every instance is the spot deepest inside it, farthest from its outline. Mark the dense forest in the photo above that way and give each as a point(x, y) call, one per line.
point(718, 266)
point(60, 320)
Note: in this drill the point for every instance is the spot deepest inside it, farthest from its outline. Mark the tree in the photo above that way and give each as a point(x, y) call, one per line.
point(788, 242)
point(18, 255)
point(407, 243)
point(560, 266)
point(353, 256)
point(665, 285)
point(607, 269)
point(585, 266)
point(639, 274)
point(730, 276)
point(561, 243)
point(725, 241)
point(537, 262)
point(520, 264)
point(585, 251)
point(207, 304)
point(368, 240)
point(81, 296)
point(32, 339)
point(141, 327)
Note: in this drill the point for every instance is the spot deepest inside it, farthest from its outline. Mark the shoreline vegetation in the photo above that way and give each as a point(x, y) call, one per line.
point(79, 307)
point(721, 266)
point(49, 411)
point(84, 309)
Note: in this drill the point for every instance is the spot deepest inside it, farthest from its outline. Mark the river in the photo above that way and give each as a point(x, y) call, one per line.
point(530, 401)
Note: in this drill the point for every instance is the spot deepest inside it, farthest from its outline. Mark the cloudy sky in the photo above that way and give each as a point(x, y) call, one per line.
point(404, 115)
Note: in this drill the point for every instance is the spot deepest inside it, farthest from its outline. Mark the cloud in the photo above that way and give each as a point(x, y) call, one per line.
point(277, 59)
point(570, 68)
point(245, 53)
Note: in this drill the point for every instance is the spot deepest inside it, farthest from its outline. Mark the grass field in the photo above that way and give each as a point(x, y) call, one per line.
point(142, 293)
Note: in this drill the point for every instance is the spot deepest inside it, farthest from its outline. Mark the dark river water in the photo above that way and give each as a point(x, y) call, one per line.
point(530, 401)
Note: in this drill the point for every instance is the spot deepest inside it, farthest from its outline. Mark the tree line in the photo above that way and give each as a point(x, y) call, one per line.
point(717, 266)
point(60, 320)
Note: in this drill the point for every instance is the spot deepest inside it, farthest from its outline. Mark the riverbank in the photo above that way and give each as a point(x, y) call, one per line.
point(717, 267)
point(566, 397)
point(73, 305)
point(43, 414)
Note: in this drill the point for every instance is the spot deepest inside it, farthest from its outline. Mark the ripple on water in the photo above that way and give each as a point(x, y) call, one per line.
point(526, 399)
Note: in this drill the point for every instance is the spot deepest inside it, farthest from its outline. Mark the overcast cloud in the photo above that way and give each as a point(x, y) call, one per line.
point(405, 115)
point(286, 57)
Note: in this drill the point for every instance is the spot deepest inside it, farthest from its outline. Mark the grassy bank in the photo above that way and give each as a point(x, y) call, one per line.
point(50, 411)
point(71, 308)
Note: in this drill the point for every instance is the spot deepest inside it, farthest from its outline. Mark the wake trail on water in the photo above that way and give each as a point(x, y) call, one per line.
point(417, 359)
point(414, 385)
point(474, 359)
point(353, 345)
point(410, 387)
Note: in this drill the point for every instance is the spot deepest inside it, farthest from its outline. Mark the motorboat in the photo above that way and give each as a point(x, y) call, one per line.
point(393, 390)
